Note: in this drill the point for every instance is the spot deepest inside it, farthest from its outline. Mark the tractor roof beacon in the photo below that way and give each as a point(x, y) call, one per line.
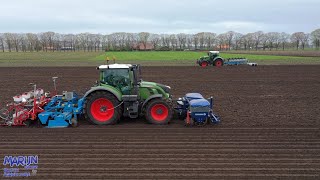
point(119, 92)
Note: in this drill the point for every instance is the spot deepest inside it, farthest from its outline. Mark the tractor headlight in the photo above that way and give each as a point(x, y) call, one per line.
point(168, 87)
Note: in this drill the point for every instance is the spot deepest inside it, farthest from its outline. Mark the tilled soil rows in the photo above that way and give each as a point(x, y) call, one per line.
point(269, 129)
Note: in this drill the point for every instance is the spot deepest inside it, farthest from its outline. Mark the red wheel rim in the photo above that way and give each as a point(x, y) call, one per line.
point(204, 64)
point(218, 63)
point(102, 110)
point(159, 112)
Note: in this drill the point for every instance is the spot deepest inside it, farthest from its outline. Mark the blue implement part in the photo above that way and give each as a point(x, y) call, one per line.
point(199, 103)
point(60, 121)
point(200, 110)
point(191, 96)
point(200, 117)
point(215, 119)
point(62, 111)
point(235, 61)
point(44, 117)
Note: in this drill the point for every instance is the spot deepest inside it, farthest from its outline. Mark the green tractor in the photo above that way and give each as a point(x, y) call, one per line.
point(213, 58)
point(120, 93)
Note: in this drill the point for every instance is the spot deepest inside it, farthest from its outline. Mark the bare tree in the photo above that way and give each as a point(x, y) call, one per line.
point(210, 39)
point(257, 36)
point(264, 41)
point(284, 39)
point(105, 43)
point(297, 38)
point(2, 42)
point(305, 40)
point(173, 41)
point(182, 39)
point(23, 42)
point(202, 39)
point(71, 41)
point(165, 38)
point(272, 39)
point(155, 40)
point(237, 40)
point(315, 37)
point(112, 39)
point(196, 41)
point(248, 41)
point(43, 41)
point(8, 39)
point(83, 39)
point(51, 39)
point(229, 38)
point(16, 39)
point(222, 41)
point(144, 37)
point(33, 42)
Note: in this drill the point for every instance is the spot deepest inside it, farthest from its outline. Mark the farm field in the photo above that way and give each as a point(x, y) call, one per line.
point(154, 58)
point(299, 53)
point(270, 127)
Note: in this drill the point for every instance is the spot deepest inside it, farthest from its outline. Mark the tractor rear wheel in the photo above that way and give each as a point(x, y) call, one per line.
point(158, 112)
point(218, 63)
point(102, 108)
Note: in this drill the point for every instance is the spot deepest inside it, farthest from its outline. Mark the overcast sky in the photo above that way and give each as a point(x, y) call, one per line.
point(159, 16)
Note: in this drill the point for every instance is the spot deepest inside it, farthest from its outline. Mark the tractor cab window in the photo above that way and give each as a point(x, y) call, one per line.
point(118, 78)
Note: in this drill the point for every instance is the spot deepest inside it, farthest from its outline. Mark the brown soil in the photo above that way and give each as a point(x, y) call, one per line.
point(270, 127)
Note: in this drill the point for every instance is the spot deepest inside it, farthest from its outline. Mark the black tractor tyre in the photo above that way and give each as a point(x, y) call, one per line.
point(103, 102)
point(159, 112)
point(218, 63)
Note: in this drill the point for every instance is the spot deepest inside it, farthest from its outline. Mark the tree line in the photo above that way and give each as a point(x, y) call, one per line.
point(122, 41)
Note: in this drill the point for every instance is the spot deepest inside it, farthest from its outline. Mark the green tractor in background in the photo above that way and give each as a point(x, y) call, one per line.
point(120, 93)
point(213, 58)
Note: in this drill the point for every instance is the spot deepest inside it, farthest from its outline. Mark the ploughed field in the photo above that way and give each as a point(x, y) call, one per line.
point(270, 127)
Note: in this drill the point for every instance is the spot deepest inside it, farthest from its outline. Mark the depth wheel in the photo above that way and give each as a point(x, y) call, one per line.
point(74, 122)
point(200, 124)
point(158, 112)
point(102, 108)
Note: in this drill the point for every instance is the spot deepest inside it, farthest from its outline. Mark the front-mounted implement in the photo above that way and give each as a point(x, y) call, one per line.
point(214, 59)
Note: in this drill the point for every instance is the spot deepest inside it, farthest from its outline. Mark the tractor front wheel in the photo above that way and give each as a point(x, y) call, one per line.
point(218, 63)
point(102, 108)
point(158, 112)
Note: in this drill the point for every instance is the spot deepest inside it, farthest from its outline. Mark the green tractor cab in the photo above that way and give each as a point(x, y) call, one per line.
point(120, 93)
point(213, 58)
